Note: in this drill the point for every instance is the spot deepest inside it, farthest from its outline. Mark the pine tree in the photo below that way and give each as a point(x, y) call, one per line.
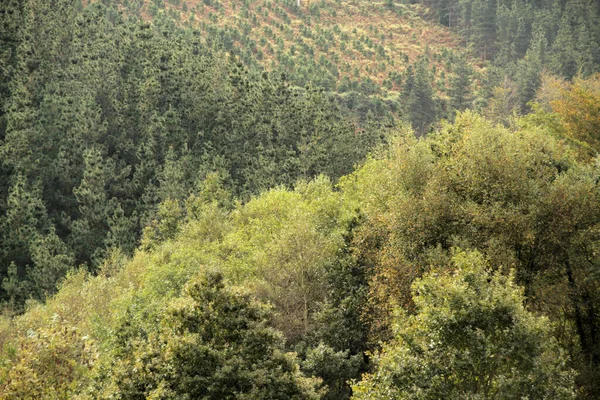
point(483, 29)
point(460, 85)
point(562, 58)
point(88, 231)
point(422, 105)
point(11, 22)
point(23, 226)
point(121, 234)
point(52, 259)
point(514, 30)
point(172, 178)
point(588, 46)
point(528, 69)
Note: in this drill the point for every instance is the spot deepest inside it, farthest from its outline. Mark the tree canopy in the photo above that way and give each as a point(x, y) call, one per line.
point(263, 199)
point(471, 337)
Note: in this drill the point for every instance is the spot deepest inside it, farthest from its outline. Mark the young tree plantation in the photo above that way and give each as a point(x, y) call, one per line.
point(281, 199)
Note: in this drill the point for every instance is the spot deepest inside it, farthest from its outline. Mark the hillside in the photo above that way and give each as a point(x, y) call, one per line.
point(430, 240)
point(333, 44)
point(263, 200)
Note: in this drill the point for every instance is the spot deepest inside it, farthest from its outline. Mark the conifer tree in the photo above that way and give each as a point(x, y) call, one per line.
point(89, 230)
point(527, 76)
point(483, 28)
point(121, 234)
point(52, 259)
point(24, 230)
point(11, 21)
point(422, 105)
point(514, 30)
point(588, 46)
point(172, 178)
point(563, 56)
point(460, 85)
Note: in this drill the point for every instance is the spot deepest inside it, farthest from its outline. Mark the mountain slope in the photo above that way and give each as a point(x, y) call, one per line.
point(339, 45)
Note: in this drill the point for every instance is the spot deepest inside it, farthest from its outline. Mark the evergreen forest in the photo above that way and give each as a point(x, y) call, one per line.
point(299, 199)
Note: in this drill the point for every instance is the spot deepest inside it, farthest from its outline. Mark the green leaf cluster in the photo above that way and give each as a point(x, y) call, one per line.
point(471, 337)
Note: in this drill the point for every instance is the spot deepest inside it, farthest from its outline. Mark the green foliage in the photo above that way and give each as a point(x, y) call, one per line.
point(284, 242)
point(282, 246)
point(335, 368)
point(159, 106)
point(471, 337)
point(106, 117)
point(418, 97)
point(51, 262)
point(189, 131)
point(505, 30)
point(459, 90)
point(336, 346)
point(88, 232)
point(34, 257)
point(214, 343)
point(518, 197)
point(333, 274)
point(50, 364)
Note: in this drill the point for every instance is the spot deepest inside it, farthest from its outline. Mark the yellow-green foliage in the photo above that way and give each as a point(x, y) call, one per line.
point(213, 342)
point(579, 109)
point(52, 347)
point(470, 338)
point(282, 245)
point(277, 245)
point(518, 197)
point(471, 184)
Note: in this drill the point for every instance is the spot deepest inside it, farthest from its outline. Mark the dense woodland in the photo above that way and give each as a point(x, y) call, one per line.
point(252, 199)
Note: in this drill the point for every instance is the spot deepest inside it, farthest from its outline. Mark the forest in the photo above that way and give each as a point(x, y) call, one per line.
point(314, 199)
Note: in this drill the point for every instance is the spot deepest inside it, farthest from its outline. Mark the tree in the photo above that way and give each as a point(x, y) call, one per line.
point(21, 228)
point(52, 259)
point(90, 228)
point(483, 28)
point(518, 197)
point(527, 76)
point(578, 105)
point(588, 47)
point(213, 343)
point(172, 178)
point(419, 92)
point(338, 343)
point(503, 104)
point(471, 337)
point(157, 111)
point(513, 25)
point(460, 85)
point(11, 22)
point(284, 243)
point(563, 60)
point(49, 361)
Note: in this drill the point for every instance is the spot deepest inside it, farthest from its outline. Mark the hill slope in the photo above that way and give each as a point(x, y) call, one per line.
point(333, 44)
